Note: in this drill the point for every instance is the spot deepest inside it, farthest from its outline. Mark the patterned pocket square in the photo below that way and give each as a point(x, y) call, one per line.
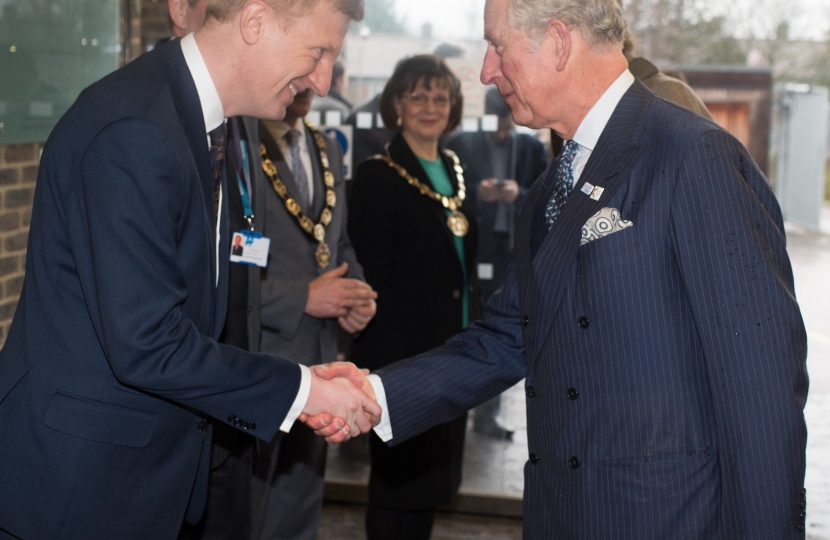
point(606, 221)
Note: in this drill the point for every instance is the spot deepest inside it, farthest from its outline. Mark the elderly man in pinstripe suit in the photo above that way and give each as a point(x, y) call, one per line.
point(649, 305)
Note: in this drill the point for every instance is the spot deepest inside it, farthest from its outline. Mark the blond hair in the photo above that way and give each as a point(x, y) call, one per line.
point(222, 10)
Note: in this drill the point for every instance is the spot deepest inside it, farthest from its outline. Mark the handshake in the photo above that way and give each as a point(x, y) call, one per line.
point(341, 403)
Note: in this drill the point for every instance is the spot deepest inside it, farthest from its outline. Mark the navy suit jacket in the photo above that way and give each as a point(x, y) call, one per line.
point(665, 364)
point(110, 370)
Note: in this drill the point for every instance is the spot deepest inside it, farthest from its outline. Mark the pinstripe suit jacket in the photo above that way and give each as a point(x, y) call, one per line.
point(665, 364)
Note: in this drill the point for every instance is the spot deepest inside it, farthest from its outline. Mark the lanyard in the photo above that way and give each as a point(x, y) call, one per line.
point(245, 187)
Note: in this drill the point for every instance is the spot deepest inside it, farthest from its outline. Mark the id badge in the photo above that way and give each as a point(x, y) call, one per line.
point(250, 248)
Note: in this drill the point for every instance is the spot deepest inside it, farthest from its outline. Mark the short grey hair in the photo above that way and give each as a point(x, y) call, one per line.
point(601, 22)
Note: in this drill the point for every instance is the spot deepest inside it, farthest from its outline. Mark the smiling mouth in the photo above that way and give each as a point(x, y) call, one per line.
point(293, 89)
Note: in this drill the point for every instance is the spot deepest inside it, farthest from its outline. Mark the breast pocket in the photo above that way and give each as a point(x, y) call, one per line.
point(100, 422)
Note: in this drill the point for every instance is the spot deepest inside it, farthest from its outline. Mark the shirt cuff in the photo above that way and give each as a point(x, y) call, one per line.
point(384, 429)
point(300, 401)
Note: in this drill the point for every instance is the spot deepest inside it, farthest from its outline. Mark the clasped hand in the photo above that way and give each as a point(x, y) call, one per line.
point(341, 403)
point(350, 301)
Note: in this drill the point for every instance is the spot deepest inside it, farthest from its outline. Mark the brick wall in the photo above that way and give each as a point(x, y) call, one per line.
point(18, 173)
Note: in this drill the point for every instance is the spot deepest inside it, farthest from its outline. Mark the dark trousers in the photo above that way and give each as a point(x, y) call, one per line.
point(228, 512)
point(287, 486)
point(390, 524)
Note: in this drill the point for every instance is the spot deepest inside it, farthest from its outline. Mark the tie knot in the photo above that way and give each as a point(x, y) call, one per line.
point(219, 136)
point(569, 151)
point(293, 137)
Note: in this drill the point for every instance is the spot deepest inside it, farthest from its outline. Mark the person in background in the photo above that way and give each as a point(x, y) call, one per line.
point(335, 100)
point(313, 284)
point(185, 16)
point(500, 167)
point(416, 236)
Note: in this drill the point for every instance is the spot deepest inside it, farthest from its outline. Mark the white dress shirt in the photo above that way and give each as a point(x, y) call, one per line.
point(592, 126)
point(278, 129)
point(586, 136)
point(214, 114)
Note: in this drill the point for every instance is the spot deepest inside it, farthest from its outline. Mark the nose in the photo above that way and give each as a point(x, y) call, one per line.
point(490, 68)
point(320, 78)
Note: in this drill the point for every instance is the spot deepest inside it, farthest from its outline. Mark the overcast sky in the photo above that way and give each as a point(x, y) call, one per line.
point(464, 18)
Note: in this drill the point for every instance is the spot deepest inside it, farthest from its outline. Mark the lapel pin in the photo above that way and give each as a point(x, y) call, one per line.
point(596, 193)
point(587, 188)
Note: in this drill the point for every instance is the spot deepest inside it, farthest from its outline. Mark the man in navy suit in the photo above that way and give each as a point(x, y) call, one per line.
point(111, 375)
point(649, 306)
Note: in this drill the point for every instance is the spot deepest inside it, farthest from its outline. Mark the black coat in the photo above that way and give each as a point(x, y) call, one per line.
point(528, 160)
point(409, 257)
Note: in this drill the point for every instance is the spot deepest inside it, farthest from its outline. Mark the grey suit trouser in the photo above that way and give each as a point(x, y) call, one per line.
point(288, 473)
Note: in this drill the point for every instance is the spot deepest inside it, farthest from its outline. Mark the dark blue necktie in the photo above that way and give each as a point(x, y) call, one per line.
point(564, 183)
point(218, 142)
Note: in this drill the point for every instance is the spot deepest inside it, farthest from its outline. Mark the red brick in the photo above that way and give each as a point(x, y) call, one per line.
point(30, 174)
point(21, 153)
point(9, 221)
point(16, 242)
point(7, 310)
point(8, 265)
point(16, 198)
point(9, 177)
point(14, 286)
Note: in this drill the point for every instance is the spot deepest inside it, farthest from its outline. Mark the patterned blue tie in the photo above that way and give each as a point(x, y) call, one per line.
point(564, 179)
point(293, 139)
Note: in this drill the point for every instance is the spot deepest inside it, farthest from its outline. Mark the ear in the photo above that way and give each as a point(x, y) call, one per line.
point(560, 36)
point(177, 13)
point(396, 103)
point(253, 21)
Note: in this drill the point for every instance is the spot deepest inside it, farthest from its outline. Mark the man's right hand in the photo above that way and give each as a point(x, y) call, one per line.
point(339, 402)
point(332, 295)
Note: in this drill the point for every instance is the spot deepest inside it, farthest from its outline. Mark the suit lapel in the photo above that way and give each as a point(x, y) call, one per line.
point(279, 161)
point(316, 172)
point(542, 277)
point(189, 107)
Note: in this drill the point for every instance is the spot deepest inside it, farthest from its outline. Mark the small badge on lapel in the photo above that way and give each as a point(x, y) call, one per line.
point(595, 192)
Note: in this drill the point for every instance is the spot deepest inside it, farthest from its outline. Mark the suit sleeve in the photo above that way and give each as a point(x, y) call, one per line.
point(125, 217)
point(728, 237)
point(478, 364)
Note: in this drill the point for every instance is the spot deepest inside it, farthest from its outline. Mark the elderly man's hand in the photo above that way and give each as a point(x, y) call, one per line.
point(341, 403)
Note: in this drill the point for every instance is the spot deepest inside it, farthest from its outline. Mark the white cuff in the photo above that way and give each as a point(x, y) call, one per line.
point(384, 429)
point(300, 401)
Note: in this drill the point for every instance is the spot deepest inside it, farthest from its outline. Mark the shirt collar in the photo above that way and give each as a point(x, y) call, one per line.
point(278, 128)
point(588, 132)
point(212, 108)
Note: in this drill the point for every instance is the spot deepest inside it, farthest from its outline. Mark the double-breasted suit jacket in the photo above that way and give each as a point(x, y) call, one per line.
point(409, 257)
point(664, 362)
point(110, 369)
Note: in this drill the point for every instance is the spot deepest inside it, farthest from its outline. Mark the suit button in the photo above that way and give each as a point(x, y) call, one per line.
point(203, 426)
point(525, 321)
point(253, 425)
point(534, 458)
point(573, 462)
point(799, 527)
point(530, 391)
point(456, 294)
point(572, 394)
point(583, 322)
point(232, 419)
